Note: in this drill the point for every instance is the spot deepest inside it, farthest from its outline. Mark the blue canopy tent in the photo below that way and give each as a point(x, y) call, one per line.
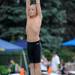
point(69, 43)
point(8, 47)
point(21, 43)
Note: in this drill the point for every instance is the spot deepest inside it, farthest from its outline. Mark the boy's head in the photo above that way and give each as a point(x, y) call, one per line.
point(33, 10)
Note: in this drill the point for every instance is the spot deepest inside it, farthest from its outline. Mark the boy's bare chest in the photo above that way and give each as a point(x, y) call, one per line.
point(35, 21)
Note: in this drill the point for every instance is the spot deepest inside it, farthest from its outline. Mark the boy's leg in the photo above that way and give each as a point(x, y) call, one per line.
point(32, 71)
point(37, 69)
point(37, 58)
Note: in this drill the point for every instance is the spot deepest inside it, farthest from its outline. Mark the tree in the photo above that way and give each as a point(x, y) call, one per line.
point(53, 24)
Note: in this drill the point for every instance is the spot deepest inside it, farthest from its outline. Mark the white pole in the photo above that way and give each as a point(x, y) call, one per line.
point(25, 62)
point(20, 60)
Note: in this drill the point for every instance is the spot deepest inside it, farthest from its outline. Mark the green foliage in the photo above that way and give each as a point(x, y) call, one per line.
point(3, 70)
point(66, 54)
point(47, 54)
point(54, 17)
point(14, 14)
point(49, 41)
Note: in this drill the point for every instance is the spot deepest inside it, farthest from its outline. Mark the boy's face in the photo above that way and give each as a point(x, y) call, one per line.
point(32, 11)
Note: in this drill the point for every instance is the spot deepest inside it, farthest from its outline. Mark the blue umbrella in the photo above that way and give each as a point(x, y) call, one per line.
point(69, 43)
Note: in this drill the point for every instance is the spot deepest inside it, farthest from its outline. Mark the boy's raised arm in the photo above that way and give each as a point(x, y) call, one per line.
point(38, 5)
point(27, 7)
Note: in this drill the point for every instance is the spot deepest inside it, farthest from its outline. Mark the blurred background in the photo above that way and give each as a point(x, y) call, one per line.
point(58, 25)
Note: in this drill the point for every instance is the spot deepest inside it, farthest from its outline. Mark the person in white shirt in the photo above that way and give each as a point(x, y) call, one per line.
point(55, 62)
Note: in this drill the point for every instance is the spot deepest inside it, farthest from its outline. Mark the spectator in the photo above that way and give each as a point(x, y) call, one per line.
point(22, 71)
point(62, 67)
point(55, 62)
point(14, 67)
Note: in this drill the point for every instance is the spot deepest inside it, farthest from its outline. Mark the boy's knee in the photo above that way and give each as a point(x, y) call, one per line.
point(31, 65)
point(37, 66)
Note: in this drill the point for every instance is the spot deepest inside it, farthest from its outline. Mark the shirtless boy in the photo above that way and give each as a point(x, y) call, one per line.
point(34, 21)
